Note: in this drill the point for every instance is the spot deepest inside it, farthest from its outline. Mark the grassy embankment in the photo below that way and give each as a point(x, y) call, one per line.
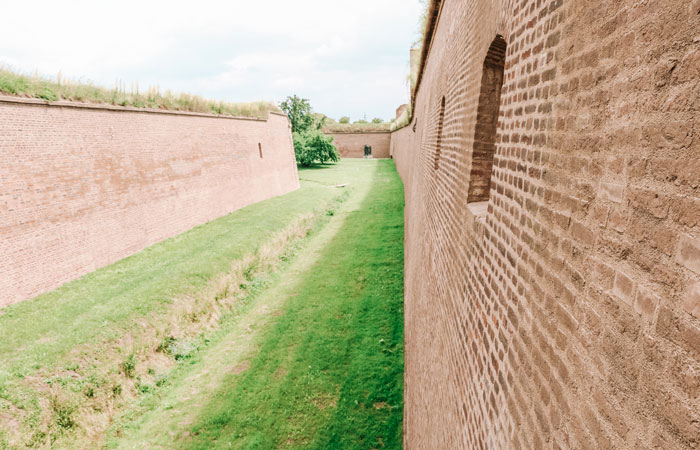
point(13, 83)
point(155, 348)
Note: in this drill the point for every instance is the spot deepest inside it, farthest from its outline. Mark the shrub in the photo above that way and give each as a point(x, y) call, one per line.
point(313, 146)
point(344, 119)
point(377, 120)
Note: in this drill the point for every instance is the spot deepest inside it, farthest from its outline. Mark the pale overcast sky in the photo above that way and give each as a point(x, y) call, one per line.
point(347, 57)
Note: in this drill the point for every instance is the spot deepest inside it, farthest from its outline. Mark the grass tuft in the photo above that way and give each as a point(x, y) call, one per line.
point(34, 86)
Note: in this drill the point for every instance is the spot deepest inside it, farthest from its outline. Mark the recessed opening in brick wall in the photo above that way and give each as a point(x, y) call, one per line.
point(487, 124)
point(260, 149)
point(441, 121)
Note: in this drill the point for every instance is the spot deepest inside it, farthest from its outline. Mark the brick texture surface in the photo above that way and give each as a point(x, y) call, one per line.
point(82, 187)
point(352, 145)
point(565, 313)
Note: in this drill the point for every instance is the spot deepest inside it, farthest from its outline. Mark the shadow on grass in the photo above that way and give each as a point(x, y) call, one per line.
point(317, 166)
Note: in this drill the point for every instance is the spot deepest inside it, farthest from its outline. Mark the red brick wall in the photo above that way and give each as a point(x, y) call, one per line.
point(567, 314)
point(83, 187)
point(352, 145)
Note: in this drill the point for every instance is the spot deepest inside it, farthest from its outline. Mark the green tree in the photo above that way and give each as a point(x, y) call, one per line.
point(377, 120)
point(299, 112)
point(344, 119)
point(360, 121)
point(312, 145)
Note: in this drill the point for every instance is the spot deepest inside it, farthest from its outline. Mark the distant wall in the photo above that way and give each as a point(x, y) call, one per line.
point(352, 145)
point(84, 186)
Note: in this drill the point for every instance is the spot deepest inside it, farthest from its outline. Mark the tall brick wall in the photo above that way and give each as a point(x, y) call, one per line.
point(352, 145)
point(82, 187)
point(563, 311)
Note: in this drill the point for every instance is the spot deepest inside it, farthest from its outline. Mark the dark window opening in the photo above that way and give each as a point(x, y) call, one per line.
point(260, 149)
point(441, 121)
point(487, 122)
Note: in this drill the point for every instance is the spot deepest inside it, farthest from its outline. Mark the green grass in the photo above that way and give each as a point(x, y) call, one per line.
point(103, 304)
point(328, 372)
point(318, 336)
point(14, 83)
point(356, 127)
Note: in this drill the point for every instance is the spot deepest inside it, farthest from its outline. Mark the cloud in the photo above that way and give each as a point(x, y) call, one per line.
point(350, 58)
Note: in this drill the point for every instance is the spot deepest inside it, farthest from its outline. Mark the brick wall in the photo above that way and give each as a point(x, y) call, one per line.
point(563, 311)
point(82, 187)
point(352, 145)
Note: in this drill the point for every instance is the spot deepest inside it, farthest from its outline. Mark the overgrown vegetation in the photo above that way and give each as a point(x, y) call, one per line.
point(34, 86)
point(360, 126)
point(311, 145)
point(422, 23)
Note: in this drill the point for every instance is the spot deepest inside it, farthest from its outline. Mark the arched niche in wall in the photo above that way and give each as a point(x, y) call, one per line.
point(441, 124)
point(487, 125)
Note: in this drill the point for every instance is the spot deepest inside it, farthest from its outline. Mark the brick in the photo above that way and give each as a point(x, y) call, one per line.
point(611, 192)
point(691, 303)
point(685, 211)
point(649, 201)
point(582, 234)
point(688, 253)
point(624, 288)
point(618, 220)
point(645, 303)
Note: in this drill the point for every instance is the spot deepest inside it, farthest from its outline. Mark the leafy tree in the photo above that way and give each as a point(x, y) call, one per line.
point(299, 112)
point(344, 119)
point(377, 120)
point(312, 145)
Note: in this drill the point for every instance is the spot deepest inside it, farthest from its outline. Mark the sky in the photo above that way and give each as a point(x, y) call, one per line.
point(349, 58)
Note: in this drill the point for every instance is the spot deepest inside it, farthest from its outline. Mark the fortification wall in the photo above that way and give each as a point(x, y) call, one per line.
point(82, 187)
point(564, 310)
point(352, 145)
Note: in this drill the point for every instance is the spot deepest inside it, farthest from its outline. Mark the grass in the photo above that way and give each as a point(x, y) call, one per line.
point(290, 307)
point(328, 372)
point(13, 83)
point(98, 335)
point(356, 127)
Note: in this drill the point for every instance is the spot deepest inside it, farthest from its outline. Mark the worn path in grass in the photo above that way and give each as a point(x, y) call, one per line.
point(317, 362)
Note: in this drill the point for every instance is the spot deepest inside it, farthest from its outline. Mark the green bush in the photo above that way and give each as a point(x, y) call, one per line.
point(312, 146)
point(377, 120)
point(344, 119)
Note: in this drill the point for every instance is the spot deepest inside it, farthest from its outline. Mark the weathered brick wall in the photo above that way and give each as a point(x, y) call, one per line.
point(352, 145)
point(83, 187)
point(565, 311)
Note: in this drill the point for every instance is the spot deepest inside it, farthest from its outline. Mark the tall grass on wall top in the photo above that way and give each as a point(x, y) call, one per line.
point(13, 83)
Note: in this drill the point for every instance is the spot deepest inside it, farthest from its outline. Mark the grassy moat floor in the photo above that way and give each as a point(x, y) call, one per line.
point(277, 326)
